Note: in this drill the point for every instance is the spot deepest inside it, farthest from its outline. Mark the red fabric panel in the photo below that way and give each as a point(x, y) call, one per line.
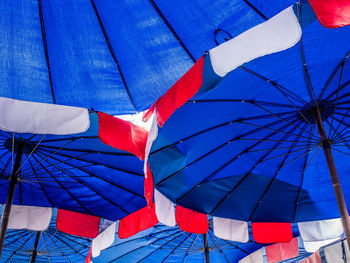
point(314, 258)
point(282, 251)
point(137, 222)
point(191, 221)
point(148, 187)
point(74, 223)
point(184, 89)
point(88, 258)
point(332, 13)
point(272, 232)
point(122, 134)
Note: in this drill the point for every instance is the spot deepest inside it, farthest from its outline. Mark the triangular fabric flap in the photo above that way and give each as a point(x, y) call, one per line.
point(103, 240)
point(191, 221)
point(230, 229)
point(78, 224)
point(265, 233)
point(122, 134)
point(137, 222)
point(30, 217)
point(255, 257)
point(165, 209)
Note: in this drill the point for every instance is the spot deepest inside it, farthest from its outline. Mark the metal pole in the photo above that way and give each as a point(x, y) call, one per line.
point(206, 248)
point(326, 145)
point(10, 195)
point(36, 244)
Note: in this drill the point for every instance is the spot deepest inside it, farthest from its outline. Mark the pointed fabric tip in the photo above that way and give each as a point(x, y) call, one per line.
point(184, 89)
point(137, 222)
point(148, 187)
point(265, 233)
point(332, 13)
point(122, 134)
point(191, 221)
point(77, 224)
point(88, 258)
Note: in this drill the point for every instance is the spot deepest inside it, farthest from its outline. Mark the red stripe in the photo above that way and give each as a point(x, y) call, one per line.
point(272, 232)
point(282, 251)
point(88, 258)
point(184, 89)
point(74, 223)
point(191, 221)
point(122, 134)
point(332, 13)
point(137, 222)
point(148, 187)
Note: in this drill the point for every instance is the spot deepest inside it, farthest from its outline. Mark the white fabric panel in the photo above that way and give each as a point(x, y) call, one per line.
point(234, 230)
point(276, 34)
point(103, 240)
point(334, 253)
point(314, 246)
point(165, 209)
point(30, 217)
point(152, 135)
point(256, 257)
point(42, 118)
point(320, 230)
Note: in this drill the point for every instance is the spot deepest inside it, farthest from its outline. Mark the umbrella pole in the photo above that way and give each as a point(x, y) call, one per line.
point(334, 175)
point(206, 248)
point(10, 195)
point(36, 244)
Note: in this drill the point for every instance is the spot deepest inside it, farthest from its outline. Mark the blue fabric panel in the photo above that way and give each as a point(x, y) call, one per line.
point(23, 70)
point(151, 58)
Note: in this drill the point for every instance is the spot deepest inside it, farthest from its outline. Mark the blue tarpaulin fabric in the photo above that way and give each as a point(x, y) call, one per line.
point(114, 56)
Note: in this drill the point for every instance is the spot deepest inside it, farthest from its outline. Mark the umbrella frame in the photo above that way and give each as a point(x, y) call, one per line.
point(10, 194)
point(326, 145)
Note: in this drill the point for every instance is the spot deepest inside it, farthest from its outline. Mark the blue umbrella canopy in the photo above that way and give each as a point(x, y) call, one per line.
point(115, 56)
point(170, 244)
point(250, 146)
point(52, 245)
point(72, 172)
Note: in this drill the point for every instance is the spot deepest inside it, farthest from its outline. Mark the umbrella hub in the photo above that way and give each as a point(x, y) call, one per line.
point(326, 110)
point(13, 145)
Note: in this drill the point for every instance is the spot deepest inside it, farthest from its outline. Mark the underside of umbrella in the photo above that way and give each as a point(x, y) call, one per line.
point(252, 141)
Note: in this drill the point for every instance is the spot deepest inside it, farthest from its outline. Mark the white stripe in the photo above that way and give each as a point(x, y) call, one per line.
point(42, 118)
point(334, 253)
point(316, 245)
point(256, 257)
point(152, 136)
point(234, 230)
point(276, 34)
point(30, 217)
point(165, 209)
point(103, 240)
point(320, 230)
